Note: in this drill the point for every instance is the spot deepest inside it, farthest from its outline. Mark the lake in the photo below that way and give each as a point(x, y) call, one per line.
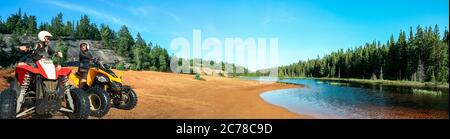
point(331, 99)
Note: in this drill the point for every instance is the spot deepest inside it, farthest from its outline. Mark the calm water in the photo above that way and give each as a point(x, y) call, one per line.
point(325, 99)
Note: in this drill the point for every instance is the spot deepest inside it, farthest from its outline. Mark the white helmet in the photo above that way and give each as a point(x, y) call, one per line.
point(87, 45)
point(43, 34)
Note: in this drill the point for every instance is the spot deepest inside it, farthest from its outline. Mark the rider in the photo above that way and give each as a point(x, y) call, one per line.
point(84, 62)
point(24, 53)
point(41, 50)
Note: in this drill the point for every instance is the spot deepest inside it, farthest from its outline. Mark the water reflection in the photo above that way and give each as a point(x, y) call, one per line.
point(326, 99)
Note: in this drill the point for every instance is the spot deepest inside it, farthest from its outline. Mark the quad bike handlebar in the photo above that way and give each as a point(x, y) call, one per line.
point(98, 63)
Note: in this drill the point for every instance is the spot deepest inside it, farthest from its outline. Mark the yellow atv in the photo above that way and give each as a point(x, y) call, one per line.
point(105, 89)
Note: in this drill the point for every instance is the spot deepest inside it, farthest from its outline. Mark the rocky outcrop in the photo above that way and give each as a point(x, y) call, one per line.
point(105, 55)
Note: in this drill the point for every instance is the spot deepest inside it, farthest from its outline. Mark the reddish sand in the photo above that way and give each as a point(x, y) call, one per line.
point(168, 95)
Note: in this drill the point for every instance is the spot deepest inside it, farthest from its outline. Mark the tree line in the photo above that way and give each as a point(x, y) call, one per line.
point(141, 55)
point(421, 56)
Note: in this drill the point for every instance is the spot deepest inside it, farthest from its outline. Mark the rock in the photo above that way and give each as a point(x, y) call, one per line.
point(105, 55)
point(96, 48)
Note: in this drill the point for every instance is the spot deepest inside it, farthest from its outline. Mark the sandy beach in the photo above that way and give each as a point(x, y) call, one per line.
point(180, 96)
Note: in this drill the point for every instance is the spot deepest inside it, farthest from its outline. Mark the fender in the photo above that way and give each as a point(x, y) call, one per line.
point(22, 70)
point(64, 72)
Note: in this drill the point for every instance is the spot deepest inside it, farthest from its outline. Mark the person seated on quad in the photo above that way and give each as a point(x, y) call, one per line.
point(40, 50)
point(24, 53)
point(84, 63)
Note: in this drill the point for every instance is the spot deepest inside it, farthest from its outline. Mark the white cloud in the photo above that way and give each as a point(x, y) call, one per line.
point(85, 10)
point(95, 13)
point(143, 10)
point(173, 16)
point(279, 17)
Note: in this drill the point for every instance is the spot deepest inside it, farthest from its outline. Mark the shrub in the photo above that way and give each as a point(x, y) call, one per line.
point(120, 66)
point(197, 77)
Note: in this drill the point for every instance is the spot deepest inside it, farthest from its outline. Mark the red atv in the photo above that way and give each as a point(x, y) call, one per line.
point(41, 89)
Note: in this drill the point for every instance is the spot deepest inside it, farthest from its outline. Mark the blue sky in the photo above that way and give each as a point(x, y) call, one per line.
point(305, 28)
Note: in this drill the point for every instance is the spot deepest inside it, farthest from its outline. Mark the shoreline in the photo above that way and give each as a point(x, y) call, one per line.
point(401, 83)
point(187, 98)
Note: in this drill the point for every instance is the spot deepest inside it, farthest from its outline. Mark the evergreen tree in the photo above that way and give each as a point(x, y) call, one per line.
point(441, 59)
point(83, 28)
point(44, 26)
point(420, 74)
point(107, 36)
point(403, 57)
point(57, 26)
point(124, 42)
point(412, 57)
point(393, 58)
point(162, 62)
point(13, 23)
point(94, 33)
point(445, 39)
point(140, 54)
point(68, 29)
point(422, 57)
point(2, 26)
point(31, 25)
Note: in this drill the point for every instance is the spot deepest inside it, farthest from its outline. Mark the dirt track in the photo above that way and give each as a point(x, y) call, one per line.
point(167, 96)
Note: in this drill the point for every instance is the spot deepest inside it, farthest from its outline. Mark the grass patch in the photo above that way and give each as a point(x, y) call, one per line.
point(388, 82)
point(338, 84)
point(426, 92)
point(198, 77)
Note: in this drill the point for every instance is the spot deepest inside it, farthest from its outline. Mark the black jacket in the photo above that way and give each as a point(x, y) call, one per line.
point(37, 53)
point(85, 60)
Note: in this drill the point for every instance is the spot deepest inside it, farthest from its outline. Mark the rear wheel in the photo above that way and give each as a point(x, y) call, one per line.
point(100, 102)
point(8, 104)
point(129, 100)
point(81, 104)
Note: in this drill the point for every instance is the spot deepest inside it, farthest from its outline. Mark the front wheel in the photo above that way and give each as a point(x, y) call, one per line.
point(8, 104)
point(100, 102)
point(81, 104)
point(129, 100)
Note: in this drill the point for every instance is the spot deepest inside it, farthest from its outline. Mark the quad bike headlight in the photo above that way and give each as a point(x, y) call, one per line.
point(102, 79)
